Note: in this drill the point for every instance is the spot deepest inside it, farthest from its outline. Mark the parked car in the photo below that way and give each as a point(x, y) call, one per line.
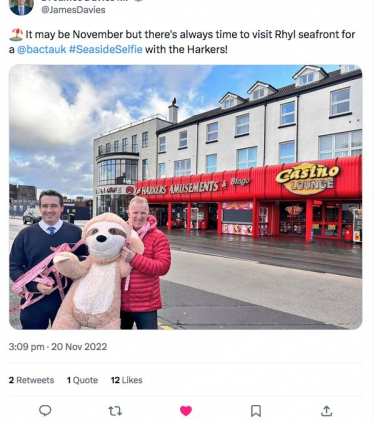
point(32, 215)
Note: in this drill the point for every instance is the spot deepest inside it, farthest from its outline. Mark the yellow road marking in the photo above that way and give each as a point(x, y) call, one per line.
point(164, 327)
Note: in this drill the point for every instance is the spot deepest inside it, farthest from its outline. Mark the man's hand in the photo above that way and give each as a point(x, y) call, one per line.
point(127, 254)
point(46, 290)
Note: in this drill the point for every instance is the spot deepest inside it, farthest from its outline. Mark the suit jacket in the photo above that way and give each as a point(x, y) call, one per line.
point(14, 9)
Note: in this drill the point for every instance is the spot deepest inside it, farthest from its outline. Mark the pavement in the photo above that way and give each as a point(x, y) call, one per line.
point(236, 282)
point(206, 291)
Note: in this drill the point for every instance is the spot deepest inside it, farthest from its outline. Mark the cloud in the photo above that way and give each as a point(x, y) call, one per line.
point(57, 111)
point(44, 160)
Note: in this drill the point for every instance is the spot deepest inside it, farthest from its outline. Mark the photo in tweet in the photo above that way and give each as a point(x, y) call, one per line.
point(248, 197)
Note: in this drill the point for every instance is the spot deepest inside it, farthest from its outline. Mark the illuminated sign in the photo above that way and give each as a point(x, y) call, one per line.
point(108, 189)
point(294, 210)
point(308, 179)
point(151, 190)
point(181, 188)
point(194, 187)
point(129, 190)
point(240, 182)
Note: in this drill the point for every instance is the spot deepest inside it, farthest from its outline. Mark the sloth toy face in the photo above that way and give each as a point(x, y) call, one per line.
point(105, 239)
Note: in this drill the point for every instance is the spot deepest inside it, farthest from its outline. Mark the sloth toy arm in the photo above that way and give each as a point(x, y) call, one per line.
point(69, 265)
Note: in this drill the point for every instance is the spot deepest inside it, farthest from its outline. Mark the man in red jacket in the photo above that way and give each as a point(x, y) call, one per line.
point(141, 295)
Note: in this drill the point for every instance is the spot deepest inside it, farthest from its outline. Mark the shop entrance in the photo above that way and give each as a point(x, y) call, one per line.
point(160, 212)
point(292, 218)
point(117, 204)
point(178, 216)
point(331, 219)
point(199, 216)
point(212, 216)
point(327, 219)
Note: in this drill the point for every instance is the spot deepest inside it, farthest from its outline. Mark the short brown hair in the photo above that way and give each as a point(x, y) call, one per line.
point(51, 193)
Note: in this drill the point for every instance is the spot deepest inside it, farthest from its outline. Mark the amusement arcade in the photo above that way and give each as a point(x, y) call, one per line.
point(312, 199)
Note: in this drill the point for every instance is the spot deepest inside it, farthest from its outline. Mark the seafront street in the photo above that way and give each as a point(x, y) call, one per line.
point(236, 282)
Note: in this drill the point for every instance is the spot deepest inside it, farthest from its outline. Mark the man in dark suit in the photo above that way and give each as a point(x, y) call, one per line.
point(21, 9)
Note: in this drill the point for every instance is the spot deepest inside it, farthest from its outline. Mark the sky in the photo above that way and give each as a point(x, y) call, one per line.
point(57, 111)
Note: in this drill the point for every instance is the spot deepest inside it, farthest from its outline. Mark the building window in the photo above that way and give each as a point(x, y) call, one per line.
point(350, 67)
point(183, 139)
point(108, 147)
point(287, 152)
point(100, 151)
point(340, 101)
point(258, 93)
point(344, 144)
point(144, 139)
point(162, 144)
point(211, 163)
point(306, 79)
point(228, 103)
point(212, 132)
point(161, 170)
point(117, 172)
point(242, 124)
point(145, 169)
point(135, 143)
point(247, 158)
point(125, 145)
point(287, 113)
point(182, 167)
point(116, 146)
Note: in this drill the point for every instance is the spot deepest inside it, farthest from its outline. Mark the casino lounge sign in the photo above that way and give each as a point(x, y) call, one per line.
point(307, 178)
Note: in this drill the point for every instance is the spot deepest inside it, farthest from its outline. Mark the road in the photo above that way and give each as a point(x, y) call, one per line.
point(324, 255)
point(212, 286)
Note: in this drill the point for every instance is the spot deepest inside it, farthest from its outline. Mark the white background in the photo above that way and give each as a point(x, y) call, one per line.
point(295, 365)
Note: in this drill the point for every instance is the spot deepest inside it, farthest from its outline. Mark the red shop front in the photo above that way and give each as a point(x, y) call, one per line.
point(300, 199)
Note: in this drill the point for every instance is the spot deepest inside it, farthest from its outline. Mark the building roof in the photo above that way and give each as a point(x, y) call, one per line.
point(310, 66)
point(333, 78)
point(228, 94)
point(261, 83)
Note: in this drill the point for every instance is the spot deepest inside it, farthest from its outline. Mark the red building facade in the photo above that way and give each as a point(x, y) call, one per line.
point(315, 198)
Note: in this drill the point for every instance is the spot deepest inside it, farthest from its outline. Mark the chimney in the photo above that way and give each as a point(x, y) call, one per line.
point(173, 112)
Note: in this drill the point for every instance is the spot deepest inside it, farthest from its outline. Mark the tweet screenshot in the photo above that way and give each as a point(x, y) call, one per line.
point(184, 235)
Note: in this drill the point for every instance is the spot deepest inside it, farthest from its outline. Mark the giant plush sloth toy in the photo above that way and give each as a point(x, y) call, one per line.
point(94, 299)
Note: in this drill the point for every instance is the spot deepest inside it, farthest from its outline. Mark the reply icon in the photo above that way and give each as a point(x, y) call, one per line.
point(45, 409)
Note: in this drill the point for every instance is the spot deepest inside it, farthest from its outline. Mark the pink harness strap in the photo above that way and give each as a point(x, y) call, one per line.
point(41, 274)
point(141, 233)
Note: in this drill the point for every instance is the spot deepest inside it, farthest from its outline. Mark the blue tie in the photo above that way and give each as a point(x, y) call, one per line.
point(22, 12)
point(51, 230)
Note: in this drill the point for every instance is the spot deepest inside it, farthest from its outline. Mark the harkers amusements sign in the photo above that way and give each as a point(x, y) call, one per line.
point(199, 187)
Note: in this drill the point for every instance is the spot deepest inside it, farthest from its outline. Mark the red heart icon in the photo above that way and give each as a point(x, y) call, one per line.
point(186, 410)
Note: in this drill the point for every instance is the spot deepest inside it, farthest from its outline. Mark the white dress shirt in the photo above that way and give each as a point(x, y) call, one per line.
point(45, 226)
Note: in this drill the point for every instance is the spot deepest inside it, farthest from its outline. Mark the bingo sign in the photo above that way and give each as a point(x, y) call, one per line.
point(237, 205)
point(308, 179)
